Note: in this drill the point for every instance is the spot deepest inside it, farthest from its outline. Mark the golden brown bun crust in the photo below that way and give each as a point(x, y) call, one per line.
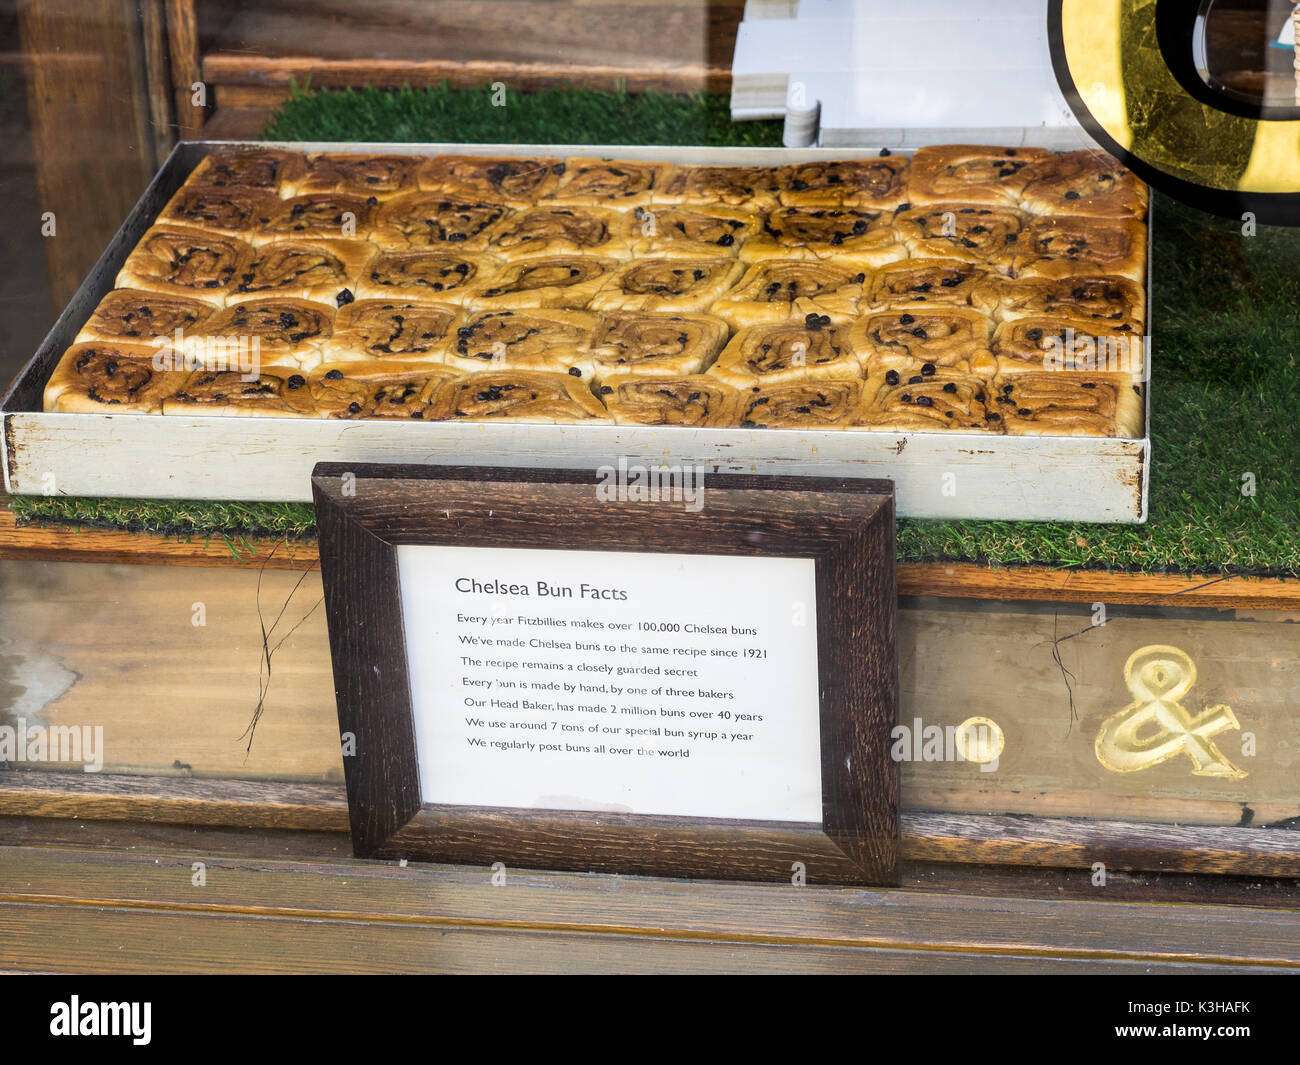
point(668, 285)
point(687, 231)
point(274, 393)
point(550, 339)
point(878, 183)
point(1070, 404)
point(537, 232)
point(1045, 343)
point(187, 262)
point(936, 282)
point(859, 236)
point(918, 339)
point(1090, 183)
point(776, 290)
point(946, 400)
point(970, 232)
point(359, 175)
point(252, 168)
point(234, 211)
point(691, 399)
point(1107, 301)
point(319, 216)
point(382, 329)
point(387, 388)
point(137, 316)
point(822, 403)
point(968, 173)
point(111, 377)
point(518, 396)
point(433, 219)
point(288, 332)
point(440, 273)
point(785, 352)
point(647, 343)
point(617, 183)
point(320, 270)
point(748, 188)
point(1070, 247)
point(548, 281)
point(511, 181)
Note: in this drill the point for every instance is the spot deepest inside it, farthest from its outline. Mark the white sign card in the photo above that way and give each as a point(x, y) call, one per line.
point(643, 683)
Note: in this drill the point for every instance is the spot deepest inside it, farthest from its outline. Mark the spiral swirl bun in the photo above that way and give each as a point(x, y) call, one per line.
point(362, 175)
point(815, 404)
point(943, 400)
point(543, 231)
point(1069, 404)
point(550, 339)
point(879, 182)
point(969, 232)
point(386, 329)
point(632, 342)
point(668, 285)
point(186, 262)
point(909, 339)
point(517, 182)
point(785, 351)
point(972, 174)
point(855, 234)
point(692, 399)
point(948, 282)
point(421, 274)
point(426, 219)
point(1068, 247)
point(136, 316)
point(233, 211)
point(107, 376)
point(1087, 183)
point(518, 395)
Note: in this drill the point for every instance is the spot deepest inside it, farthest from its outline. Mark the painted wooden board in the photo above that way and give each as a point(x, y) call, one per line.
point(937, 475)
point(952, 580)
point(348, 916)
point(949, 475)
point(115, 645)
point(960, 660)
point(678, 46)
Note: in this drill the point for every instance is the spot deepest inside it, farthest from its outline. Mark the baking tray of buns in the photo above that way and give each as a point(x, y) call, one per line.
point(970, 322)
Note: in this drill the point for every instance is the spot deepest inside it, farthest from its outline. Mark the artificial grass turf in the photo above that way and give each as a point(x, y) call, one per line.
point(1226, 401)
point(549, 116)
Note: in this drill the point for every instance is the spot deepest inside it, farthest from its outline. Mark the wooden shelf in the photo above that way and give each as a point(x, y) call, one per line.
point(955, 580)
point(665, 45)
point(78, 909)
point(960, 838)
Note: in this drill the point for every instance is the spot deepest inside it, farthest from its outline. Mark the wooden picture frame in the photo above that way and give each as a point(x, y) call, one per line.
point(846, 526)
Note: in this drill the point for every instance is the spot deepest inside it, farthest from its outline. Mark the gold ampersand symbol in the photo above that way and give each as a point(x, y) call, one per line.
point(1158, 677)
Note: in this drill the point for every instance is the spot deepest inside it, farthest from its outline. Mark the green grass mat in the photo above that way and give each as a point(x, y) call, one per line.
point(549, 116)
point(1226, 399)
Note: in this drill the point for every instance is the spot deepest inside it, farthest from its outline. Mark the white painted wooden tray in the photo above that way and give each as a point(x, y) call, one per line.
point(937, 475)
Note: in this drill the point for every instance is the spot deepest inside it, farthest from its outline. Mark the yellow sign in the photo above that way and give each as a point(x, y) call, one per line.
point(1159, 676)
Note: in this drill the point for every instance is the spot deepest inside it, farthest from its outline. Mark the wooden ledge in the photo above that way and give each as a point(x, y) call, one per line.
point(980, 839)
point(953, 580)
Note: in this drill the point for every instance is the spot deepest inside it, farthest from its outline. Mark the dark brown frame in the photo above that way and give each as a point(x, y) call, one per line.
point(845, 525)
